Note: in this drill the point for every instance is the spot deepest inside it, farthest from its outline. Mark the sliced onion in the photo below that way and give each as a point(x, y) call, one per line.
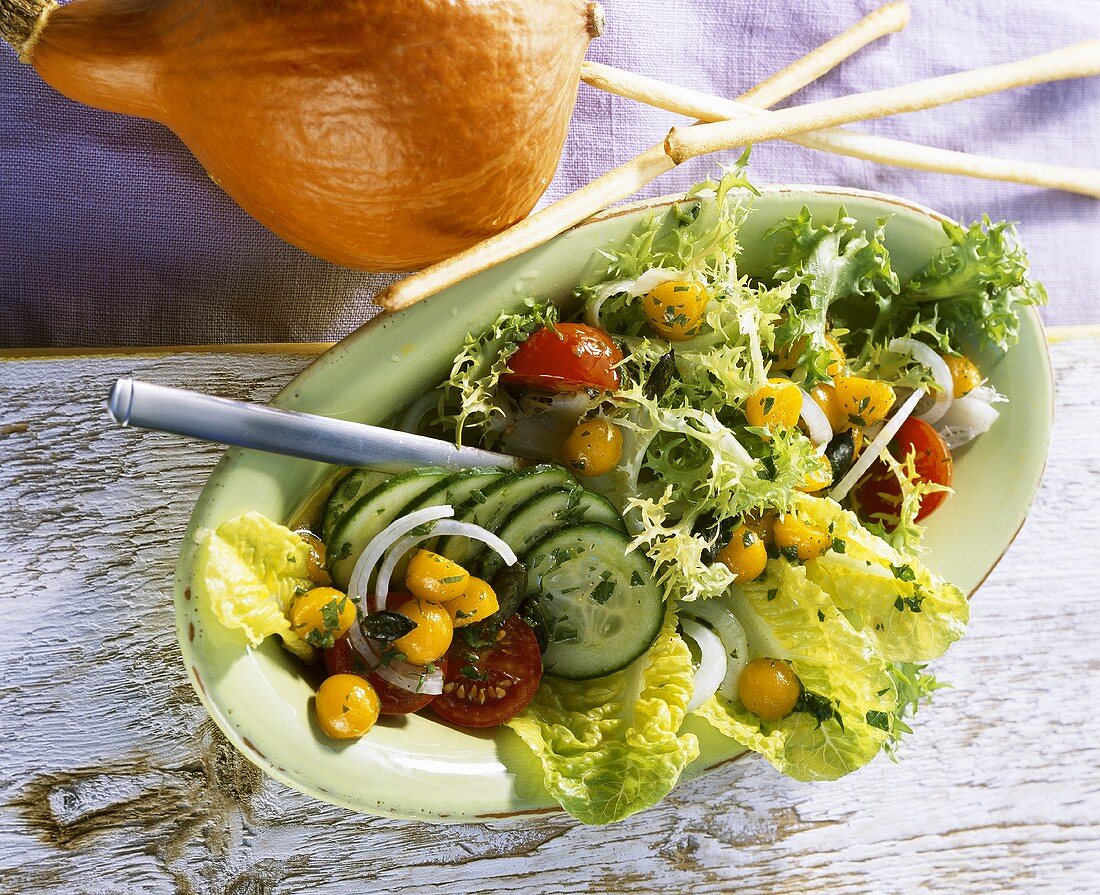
point(393, 557)
point(477, 533)
point(732, 634)
point(368, 559)
point(874, 450)
point(536, 429)
point(646, 282)
point(413, 678)
point(941, 373)
point(817, 423)
point(712, 662)
point(968, 418)
point(987, 394)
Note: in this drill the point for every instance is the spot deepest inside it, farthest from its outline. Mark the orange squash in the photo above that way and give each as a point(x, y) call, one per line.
point(379, 134)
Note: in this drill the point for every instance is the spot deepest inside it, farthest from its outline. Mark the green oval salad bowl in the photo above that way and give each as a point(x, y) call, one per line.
point(415, 767)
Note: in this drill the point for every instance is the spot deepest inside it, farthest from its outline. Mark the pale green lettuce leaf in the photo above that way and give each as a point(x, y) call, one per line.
point(610, 747)
point(247, 572)
point(787, 616)
point(910, 613)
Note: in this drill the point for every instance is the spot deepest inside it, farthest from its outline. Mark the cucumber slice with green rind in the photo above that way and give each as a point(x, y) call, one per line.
point(370, 514)
point(602, 606)
point(351, 486)
point(490, 508)
point(455, 490)
point(534, 519)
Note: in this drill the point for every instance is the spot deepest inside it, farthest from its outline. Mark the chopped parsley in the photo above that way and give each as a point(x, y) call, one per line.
point(879, 720)
point(903, 572)
point(603, 591)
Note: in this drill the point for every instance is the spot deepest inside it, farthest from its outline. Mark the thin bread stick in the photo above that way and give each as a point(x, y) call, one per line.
point(884, 150)
point(1076, 61)
point(885, 20)
point(619, 183)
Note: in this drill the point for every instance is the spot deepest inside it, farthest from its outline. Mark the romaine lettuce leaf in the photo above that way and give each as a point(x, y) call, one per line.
point(610, 747)
point(787, 616)
point(247, 571)
point(911, 614)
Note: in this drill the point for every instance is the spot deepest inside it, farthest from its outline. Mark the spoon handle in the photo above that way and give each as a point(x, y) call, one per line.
point(221, 420)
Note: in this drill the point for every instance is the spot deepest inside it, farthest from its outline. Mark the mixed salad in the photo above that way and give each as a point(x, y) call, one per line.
point(722, 516)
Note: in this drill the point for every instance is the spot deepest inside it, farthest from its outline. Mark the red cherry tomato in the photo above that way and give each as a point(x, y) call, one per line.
point(568, 358)
point(489, 683)
point(879, 492)
point(342, 658)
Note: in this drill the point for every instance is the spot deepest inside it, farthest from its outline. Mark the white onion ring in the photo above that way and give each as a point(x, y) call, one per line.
point(817, 423)
point(874, 450)
point(358, 586)
point(732, 634)
point(446, 527)
point(941, 373)
point(393, 557)
point(413, 678)
point(712, 662)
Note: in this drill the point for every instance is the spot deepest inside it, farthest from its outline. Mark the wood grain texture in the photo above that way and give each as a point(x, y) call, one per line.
point(113, 780)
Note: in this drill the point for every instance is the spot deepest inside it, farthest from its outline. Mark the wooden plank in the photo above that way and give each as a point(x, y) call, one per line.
point(114, 781)
point(311, 349)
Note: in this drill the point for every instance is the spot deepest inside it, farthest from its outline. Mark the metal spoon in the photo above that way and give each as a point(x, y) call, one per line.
point(221, 420)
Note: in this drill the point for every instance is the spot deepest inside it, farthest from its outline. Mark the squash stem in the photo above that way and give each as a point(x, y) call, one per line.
point(22, 23)
point(594, 20)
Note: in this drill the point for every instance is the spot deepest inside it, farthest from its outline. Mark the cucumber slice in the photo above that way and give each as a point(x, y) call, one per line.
point(489, 508)
point(455, 490)
point(351, 486)
point(370, 514)
point(536, 518)
point(603, 608)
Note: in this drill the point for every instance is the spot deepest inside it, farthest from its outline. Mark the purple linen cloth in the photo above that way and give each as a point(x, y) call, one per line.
point(111, 233)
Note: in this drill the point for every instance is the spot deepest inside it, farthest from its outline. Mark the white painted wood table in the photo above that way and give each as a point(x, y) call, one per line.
point(112, 779)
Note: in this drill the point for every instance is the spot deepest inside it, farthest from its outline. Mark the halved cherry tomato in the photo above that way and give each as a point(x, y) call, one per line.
point(568, 358)
point(342, 658)
point(490, 678)
point(879, 492)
